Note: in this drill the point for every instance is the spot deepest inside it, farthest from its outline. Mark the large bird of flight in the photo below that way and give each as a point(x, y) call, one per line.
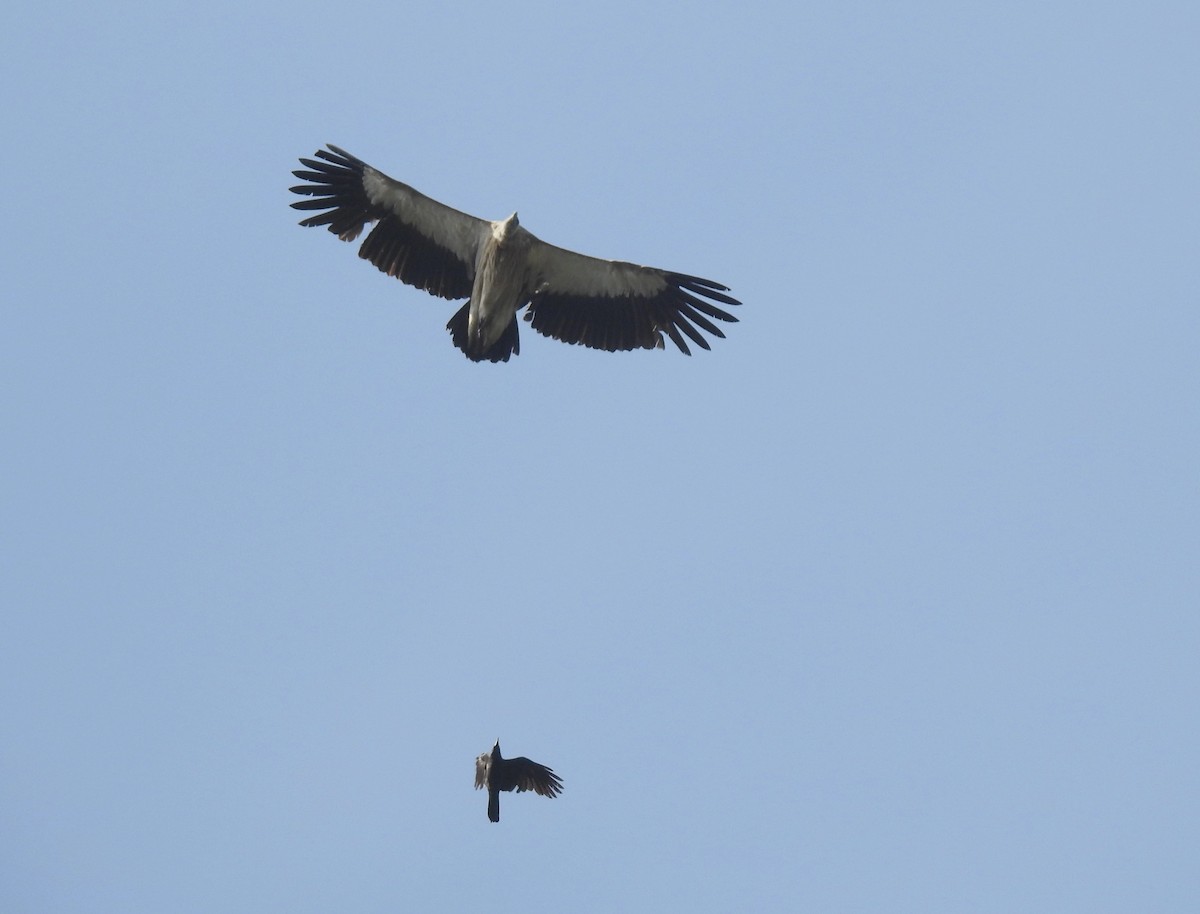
point(500, 267)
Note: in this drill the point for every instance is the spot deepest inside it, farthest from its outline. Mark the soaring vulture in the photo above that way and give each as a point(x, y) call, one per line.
point(497, 773)
point(500, 268)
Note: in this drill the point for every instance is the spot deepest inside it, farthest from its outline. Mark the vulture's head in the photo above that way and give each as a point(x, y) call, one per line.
point(506, 230)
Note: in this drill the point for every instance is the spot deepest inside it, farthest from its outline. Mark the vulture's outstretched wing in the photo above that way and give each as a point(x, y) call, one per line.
point(418, 240)
point(615, 306)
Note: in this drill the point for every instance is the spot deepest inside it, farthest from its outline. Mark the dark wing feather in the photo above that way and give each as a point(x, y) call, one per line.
point(529, 775)
point(417, 239)
point(616, 306)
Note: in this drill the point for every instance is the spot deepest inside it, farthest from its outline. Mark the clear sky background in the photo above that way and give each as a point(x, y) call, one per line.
point(888, 603)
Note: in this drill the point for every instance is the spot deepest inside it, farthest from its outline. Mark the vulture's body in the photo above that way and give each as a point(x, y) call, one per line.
point(500, 267)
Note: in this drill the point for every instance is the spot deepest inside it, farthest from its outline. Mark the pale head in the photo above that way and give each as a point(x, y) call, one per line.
point(504, 230)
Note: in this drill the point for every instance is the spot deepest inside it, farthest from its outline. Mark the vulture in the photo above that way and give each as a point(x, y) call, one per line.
point(500, 268)
point(497, 773)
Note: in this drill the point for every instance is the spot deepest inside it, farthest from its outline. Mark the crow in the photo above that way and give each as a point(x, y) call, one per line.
point(497, 773)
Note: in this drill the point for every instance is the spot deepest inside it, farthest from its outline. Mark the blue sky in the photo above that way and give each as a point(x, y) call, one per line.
point(889, 602)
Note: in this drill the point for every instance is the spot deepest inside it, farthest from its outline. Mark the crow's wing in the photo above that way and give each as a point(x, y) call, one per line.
point(522, 774)
point(482, 766)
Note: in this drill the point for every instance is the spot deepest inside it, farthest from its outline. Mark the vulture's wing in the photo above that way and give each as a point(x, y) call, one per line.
point(613, 305)
point(482, 764)
point(529, 775)
point(418, 240)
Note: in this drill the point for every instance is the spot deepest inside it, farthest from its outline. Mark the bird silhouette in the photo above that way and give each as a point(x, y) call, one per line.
point(497, 773)
point(500, 268)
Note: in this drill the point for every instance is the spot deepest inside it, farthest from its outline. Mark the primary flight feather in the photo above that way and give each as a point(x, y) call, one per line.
point(500, 267)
